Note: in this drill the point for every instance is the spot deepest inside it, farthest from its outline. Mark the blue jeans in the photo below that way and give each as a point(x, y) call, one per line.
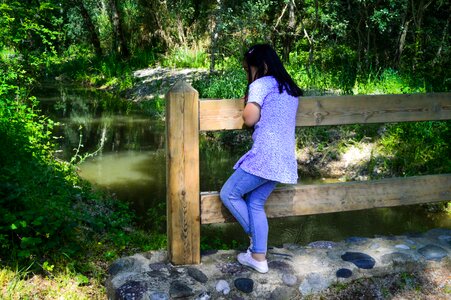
point(245, 196)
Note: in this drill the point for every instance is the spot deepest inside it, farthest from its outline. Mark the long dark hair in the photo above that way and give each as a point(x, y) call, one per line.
point(267, 62)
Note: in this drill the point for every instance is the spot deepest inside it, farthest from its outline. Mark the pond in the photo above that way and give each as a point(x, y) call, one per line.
point(130, 162)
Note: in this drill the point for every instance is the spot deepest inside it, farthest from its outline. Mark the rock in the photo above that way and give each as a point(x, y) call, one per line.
point(222, 286)
point(198, 275)
point(343, 273)
point(132, 290)
point(157, 266)
point(291, 246)
point(438, 231)
point(282, 255)
point(289, 279)
point(433, 252)
point(281, 266)
point(306, 270)
point(445, 238)
point(179, 289)
point(356, 239)
point(322, 245)
point(402, 246)
point(204, 296)
point(121, 265)
point(156, 295)
point(396, 258)
point(313, 283)
point(282, 293)
point(230, 268)
point(375, 246)
point(245, 285)
point(361, 260)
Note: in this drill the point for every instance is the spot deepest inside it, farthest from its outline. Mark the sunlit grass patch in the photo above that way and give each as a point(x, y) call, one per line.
point(22, 284)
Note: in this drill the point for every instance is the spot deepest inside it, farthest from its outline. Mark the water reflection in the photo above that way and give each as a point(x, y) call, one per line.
point(137, 177)
point(339, 226)
point(131, 163)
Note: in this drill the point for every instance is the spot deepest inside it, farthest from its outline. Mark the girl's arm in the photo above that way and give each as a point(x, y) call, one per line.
point(251, 114)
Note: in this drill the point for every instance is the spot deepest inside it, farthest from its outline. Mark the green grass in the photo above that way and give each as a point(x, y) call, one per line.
point(184, 57)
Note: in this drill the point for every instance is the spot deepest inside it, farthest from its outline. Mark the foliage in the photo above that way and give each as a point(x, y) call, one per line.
point(228, 84)
point(185, 58)
point(418, 148)
point(50, 219)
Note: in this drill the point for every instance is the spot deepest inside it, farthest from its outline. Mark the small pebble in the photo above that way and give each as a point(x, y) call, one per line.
point(402, 246)
point(223, 286)
point(344, 273)
point(289, 279)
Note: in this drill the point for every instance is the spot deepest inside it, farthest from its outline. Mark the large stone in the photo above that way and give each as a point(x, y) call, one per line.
point(198, 275)
point(132, 290)
point(395, 257)
point(283, 293)
point(361, 260)
point(314, 283)
point(438, 231)
point(157, 295)
point(433, 252)
point(179, 289)
point(322, 244)
point(402, 247)
point(289, 279)
point(245, 285)
point(280, 266)
point(356, 239)
point(121, 265)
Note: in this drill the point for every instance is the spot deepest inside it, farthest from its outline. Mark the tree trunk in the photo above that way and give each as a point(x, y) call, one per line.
point(402, 35)
point(214, 35)
point(443, 41)
point(93, 36)
point(120, 45)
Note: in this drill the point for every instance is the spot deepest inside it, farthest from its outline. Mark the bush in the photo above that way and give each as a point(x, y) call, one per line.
point(418, 148)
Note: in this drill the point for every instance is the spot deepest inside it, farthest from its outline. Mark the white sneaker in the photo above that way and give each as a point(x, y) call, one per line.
point(246, 259)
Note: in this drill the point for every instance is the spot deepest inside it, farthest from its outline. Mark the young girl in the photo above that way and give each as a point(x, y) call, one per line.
point(271, 106)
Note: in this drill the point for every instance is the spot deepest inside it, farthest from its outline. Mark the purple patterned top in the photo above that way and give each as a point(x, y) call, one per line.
point(272, 155)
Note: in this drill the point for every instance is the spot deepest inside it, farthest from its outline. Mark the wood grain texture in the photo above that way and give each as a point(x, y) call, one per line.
point(324, 198)
point(337, 110)
point(182, 174)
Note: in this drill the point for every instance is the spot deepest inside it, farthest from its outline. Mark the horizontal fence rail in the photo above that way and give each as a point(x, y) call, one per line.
point(337, 110)
point(187, 208)
point(336, 197)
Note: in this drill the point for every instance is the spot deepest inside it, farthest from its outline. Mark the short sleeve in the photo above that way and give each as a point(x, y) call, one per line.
point(259, 89)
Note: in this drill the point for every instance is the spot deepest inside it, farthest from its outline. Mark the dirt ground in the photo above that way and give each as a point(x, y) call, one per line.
point(432, 282)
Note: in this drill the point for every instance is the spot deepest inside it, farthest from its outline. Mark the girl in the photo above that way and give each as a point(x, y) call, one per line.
point(271, 106)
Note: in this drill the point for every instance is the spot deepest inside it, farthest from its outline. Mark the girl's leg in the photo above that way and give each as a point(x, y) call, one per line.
point(233, 193)
point(258, 221)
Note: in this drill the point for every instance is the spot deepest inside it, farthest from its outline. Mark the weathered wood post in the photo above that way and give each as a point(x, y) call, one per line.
point(182, 174)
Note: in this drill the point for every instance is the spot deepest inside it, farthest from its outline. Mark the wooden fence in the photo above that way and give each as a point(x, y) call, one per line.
point(188, 208)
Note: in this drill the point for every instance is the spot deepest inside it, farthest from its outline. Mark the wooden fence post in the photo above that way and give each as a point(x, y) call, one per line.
point(182, 174)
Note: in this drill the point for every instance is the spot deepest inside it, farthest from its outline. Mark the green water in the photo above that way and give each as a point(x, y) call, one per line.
point(130, 163)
